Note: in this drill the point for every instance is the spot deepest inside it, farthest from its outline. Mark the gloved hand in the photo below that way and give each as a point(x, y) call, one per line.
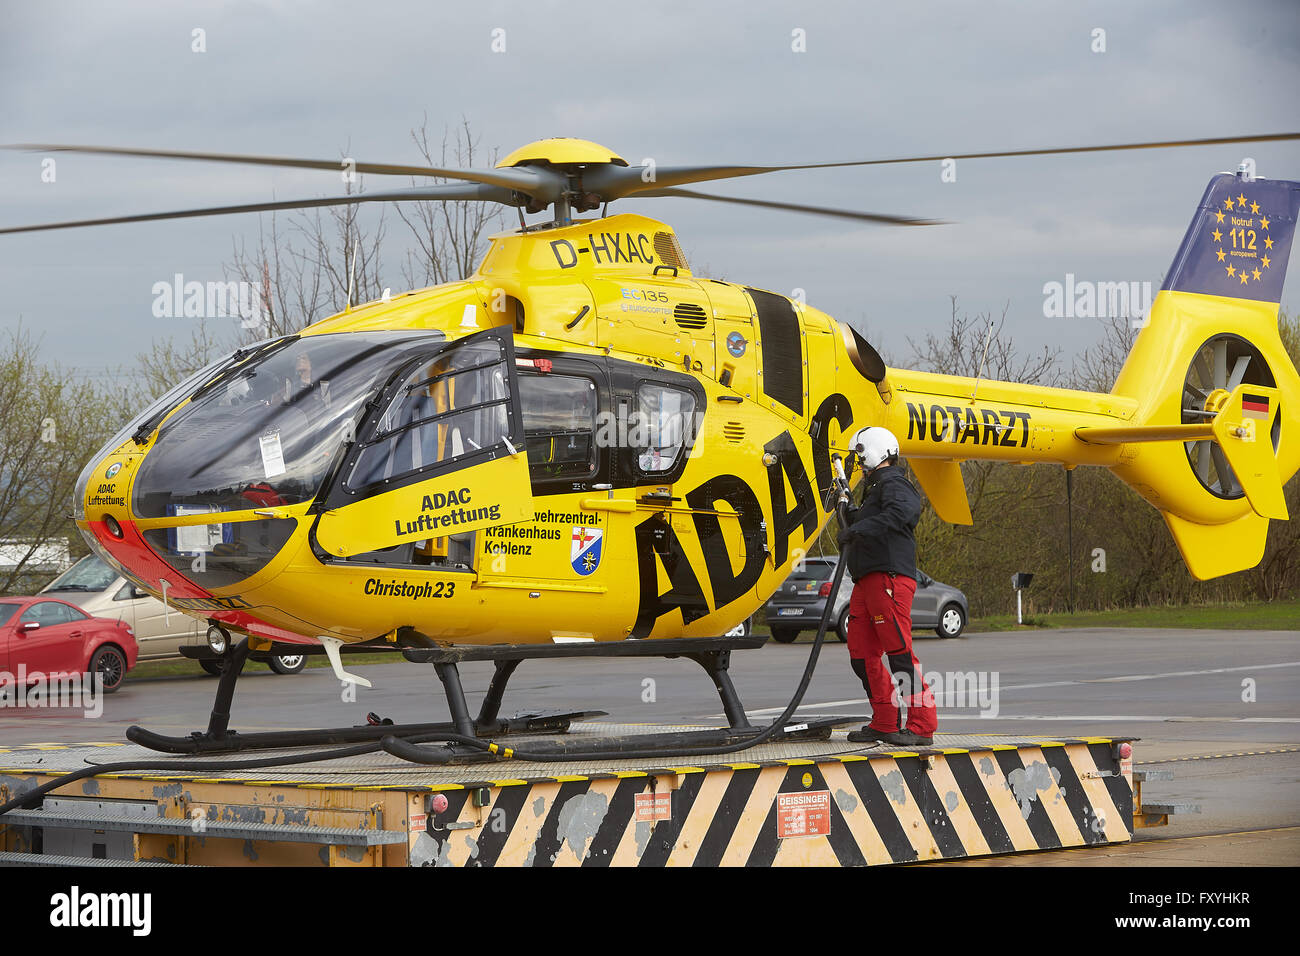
point(844, 538)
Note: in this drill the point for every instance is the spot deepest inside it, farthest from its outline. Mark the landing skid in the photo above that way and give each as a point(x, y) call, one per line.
point(411, 749)
point(233, 741)
point(403, 740)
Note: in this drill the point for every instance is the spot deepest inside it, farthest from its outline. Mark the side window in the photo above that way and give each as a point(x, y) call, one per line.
point(35, 613)
point(665, 426)
point(50, 613)
point(71, 614)
point(450, 406)
point(559, 423)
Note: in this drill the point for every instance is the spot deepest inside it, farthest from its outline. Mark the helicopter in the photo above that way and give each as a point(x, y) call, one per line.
point(585, 443)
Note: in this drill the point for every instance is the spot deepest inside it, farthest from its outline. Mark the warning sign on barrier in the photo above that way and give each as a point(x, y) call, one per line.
point(803, 814)
point(654, 806)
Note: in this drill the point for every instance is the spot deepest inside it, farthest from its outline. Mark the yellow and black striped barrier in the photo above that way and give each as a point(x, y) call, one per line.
point(852, 810)
point(824, 809)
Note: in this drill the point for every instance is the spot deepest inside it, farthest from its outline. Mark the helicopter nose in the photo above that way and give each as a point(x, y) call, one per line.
point(110, 528)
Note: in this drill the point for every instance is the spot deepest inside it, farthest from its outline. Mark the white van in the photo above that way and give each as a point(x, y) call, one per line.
point(99, 591)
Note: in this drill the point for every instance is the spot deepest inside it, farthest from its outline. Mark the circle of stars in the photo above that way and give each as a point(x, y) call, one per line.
point(1239, 204)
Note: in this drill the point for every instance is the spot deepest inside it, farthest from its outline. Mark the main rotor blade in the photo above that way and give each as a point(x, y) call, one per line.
point(614, 182)
point(458, 192)
point(798, 207)
point(521, 178)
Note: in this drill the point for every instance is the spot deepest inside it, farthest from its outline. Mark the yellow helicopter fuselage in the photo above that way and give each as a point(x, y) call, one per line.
point(590, 444)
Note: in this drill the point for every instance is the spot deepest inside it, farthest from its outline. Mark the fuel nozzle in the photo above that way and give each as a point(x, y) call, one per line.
point(841, 471)
point(840, 490)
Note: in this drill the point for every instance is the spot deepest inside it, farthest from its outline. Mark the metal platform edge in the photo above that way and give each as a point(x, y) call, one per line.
point(474, 783)
point(862, 808)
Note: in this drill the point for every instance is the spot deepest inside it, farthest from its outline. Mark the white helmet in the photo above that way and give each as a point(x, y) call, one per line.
point(875, 444)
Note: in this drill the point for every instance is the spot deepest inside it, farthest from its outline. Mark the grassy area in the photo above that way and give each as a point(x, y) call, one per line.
point(1273, 616)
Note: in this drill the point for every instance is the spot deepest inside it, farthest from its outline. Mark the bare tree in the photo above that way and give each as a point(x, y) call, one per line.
point(959, 350)
point(1097, 367)
point(314, 267)
point(449, 235)
point(167, 363)
point(307, 266)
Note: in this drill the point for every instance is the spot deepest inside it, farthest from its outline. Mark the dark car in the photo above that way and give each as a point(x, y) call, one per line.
point(797, 606)
point(53, 638)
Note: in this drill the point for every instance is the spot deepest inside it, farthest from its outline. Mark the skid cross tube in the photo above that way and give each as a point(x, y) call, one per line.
point(232, 665)
point(713, 654)
point(491, 706)
point(450, 678)
point(715, 664)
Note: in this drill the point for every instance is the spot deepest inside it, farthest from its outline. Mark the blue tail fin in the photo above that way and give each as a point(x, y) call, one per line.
point(1239, 241)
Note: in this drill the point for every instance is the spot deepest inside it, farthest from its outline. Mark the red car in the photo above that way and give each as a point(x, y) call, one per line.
point(54, 638)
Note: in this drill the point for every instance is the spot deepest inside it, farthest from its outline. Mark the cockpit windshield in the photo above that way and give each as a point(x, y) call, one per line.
point(265, 434)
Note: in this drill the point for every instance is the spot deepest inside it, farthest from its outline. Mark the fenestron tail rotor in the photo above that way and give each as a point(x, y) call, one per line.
point(1218, 368)
point(571, 175)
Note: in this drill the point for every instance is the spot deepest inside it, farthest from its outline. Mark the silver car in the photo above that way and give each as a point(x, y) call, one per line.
point(799, 603)
point(99, 591)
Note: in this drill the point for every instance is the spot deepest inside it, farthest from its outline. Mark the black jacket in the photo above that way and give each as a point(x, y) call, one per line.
point(882, 526)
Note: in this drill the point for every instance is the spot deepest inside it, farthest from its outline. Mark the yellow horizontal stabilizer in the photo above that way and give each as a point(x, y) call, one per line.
point(1214, 550)
point(1123, 434)
point(1243, 429)
point(942, 482)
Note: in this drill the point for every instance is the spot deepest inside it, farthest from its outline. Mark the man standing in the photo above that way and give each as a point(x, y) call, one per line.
point(882, 561)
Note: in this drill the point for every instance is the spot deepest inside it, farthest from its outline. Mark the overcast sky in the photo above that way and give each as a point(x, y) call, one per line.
point(676, 82)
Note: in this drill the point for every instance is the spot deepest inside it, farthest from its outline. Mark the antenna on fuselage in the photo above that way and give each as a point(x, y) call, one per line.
point(352, 268)
point(988, 337)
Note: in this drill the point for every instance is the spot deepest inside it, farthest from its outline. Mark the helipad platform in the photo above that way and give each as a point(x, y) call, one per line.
point(804, 802)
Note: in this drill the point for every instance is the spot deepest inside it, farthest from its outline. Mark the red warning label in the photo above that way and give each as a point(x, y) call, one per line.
point(803, 814)
point(654, 806)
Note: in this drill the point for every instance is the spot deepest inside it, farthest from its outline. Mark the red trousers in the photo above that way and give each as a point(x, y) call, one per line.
point(880, 625)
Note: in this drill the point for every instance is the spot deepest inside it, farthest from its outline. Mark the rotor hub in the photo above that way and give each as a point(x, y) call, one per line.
point(562, 151)
point(1215, 400)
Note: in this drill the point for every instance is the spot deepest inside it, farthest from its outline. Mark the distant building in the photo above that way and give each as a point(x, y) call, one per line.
point(48, 557)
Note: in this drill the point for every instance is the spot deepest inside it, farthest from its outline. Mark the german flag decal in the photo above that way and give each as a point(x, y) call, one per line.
point(1254, 406)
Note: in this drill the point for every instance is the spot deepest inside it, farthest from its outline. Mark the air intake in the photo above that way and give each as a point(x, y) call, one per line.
point(733, 432)
point(670, 251)
point(688, 315)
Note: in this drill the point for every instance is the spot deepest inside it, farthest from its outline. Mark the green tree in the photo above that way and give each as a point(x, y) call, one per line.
point(50, 426)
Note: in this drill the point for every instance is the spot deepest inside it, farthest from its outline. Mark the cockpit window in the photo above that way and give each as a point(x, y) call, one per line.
point(666, 416)
point(157, 408)
point(266, 432)
point(560, 424)
point(450, 406)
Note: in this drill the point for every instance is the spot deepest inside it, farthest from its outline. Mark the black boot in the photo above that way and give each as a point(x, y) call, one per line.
point(904, 738)
point(867, 736)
